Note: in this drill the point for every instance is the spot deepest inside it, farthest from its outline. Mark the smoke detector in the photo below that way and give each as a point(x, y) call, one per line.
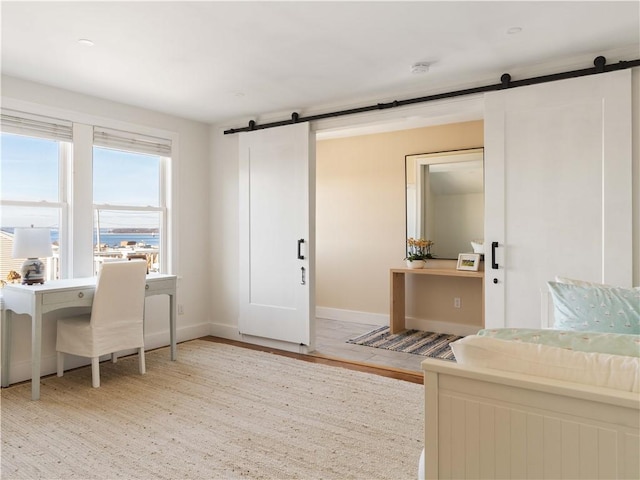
point(420, 67)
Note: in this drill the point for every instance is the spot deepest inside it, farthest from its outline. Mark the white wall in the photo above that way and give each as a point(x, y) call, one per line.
point(190, 216)
point(223, 217)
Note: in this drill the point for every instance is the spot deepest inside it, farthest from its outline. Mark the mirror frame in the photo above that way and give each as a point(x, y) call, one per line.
point(412, 165)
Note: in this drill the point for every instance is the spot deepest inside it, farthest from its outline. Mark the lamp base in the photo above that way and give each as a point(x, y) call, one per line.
point(32, 271)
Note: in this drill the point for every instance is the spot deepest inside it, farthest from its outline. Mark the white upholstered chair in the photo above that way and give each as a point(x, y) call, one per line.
point(115, 322)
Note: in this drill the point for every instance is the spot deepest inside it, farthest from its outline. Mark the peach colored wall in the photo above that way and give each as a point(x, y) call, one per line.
point(361, 223)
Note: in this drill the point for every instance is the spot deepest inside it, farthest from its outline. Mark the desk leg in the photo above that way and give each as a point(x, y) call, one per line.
point(482, 299)
point(172, 326)
point(6, 346)
point(36, 353)
point(397, 303)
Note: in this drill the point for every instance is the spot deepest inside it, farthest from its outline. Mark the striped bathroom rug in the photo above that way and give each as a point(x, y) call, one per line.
point(427, 344)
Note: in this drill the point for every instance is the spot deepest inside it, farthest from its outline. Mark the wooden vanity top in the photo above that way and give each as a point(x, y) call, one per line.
point(445, 272)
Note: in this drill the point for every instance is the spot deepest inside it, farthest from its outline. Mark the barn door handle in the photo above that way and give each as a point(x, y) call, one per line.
point(300, 242)
point(494, 265)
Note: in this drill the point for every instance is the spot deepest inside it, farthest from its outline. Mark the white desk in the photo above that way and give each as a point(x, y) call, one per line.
point(36, 300)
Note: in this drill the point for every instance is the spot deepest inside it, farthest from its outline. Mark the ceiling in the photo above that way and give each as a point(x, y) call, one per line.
point(219, 62)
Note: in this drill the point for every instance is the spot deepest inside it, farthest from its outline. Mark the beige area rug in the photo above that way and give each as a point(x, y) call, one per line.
point(218, 412)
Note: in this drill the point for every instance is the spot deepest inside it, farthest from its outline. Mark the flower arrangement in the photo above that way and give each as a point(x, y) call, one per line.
point(13, 277)
point(418, 249)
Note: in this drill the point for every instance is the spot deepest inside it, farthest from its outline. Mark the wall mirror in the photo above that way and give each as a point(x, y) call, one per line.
point(445, 200)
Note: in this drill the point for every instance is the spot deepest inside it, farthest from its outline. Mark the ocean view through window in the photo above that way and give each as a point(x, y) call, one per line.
point(128, 206)
point(32, 194)
point(113, 197)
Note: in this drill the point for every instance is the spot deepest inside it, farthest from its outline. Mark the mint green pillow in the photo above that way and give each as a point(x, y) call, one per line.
point(612, 343)
point(596, 309)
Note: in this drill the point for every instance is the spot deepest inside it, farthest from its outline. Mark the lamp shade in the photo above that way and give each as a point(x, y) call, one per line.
point(32, 243)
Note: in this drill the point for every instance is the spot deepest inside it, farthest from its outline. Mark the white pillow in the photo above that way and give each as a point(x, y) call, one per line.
point(596, 309)
point(588, 368)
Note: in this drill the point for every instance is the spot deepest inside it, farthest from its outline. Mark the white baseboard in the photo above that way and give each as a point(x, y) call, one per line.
point(352, 316)
point(230, 332)
point(380, 319)
point(183, 334)
point(21, 370)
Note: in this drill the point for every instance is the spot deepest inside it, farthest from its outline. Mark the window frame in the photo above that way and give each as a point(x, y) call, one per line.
point(162, 208)
point(77, 207)
point(65, 158)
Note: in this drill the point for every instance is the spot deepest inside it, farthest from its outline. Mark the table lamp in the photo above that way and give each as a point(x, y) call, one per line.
point(32, 243)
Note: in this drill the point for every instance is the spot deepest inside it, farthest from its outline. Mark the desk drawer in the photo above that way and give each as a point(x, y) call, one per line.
point(163, 285)
point(79, 297)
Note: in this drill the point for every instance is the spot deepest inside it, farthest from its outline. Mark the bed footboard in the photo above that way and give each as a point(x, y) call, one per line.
point(482, 423)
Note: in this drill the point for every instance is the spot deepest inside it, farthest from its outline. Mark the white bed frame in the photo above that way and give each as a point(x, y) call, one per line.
point(484, 423)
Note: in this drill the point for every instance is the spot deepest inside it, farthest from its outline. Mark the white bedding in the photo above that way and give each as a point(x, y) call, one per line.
point(588, 368)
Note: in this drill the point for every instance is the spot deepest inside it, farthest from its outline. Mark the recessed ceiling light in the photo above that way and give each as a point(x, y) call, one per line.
point(86, 42)
point(420, 67)
point(514, 30)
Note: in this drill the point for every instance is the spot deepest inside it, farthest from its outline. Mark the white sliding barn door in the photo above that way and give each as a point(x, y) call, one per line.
point(277, 209)
point(557, 191)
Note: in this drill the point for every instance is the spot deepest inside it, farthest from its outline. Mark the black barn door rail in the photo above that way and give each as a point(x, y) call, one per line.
point(599, 63)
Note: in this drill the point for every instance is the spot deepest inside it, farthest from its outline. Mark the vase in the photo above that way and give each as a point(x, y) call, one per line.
point(414, 264)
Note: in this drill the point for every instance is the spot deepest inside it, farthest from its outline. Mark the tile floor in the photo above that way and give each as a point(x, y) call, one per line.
point(331, 338)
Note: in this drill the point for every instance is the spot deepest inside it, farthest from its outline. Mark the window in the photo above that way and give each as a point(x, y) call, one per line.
point(99, 201)
point(34, 158)
point(129, 196)
point(129, 207)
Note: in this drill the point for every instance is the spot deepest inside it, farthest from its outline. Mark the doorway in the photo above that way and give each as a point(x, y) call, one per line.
point(360, 216)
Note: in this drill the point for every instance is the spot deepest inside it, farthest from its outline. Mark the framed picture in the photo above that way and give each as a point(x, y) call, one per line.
point(468, 261)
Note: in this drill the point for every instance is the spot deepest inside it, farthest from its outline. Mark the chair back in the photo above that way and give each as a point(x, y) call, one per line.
point(120, 292)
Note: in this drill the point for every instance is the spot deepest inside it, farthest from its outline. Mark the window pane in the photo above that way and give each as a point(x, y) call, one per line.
point(126, 234)
point(13, 217)
point(30, 168)
point(124, 178)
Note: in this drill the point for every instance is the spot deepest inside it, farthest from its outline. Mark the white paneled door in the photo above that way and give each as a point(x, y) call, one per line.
point(277, 209)
point(558, 182)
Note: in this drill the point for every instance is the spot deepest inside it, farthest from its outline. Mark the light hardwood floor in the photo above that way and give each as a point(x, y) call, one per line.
point(332, 349)
point(331, 338)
